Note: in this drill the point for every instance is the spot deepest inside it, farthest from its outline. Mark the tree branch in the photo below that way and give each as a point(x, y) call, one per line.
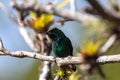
point(64, 13)
point(105, 13)
point(46, 70)
point(108, 59)
point(59, 61)
point(27, 38)
point(108, 44)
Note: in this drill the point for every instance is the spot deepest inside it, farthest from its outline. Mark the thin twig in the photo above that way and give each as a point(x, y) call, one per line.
point(41, 42)
point(108, 44)
point(73, 5)
point(105, 13)
point(27, 38)
point(10, 14)
point(46, 70)
point(45, 75)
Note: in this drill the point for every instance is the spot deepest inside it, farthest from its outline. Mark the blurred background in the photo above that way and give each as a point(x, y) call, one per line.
point(12, 68)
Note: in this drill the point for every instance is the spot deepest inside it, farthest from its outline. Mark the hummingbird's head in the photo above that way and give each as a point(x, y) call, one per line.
point(55, 34)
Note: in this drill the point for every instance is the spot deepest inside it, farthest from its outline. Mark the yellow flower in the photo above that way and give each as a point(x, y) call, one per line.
point(61, 73)
point(43, 21)
point(64, 73)
point(90, 48)
point(39, 23)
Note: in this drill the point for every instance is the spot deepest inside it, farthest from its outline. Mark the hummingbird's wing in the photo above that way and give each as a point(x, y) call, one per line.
point(63, 47)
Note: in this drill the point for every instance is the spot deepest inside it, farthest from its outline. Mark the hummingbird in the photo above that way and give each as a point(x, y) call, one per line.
point(61, 45)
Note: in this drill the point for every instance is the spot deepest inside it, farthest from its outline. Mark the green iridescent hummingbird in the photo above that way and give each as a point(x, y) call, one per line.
point(62, 46)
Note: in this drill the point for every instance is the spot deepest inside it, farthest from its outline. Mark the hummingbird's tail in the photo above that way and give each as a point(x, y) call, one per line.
point(73, 67)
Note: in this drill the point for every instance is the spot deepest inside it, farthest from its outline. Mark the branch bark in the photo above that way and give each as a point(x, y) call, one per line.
point(59, 61)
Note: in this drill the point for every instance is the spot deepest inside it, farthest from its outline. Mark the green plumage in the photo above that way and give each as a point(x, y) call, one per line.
point(62, 46)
